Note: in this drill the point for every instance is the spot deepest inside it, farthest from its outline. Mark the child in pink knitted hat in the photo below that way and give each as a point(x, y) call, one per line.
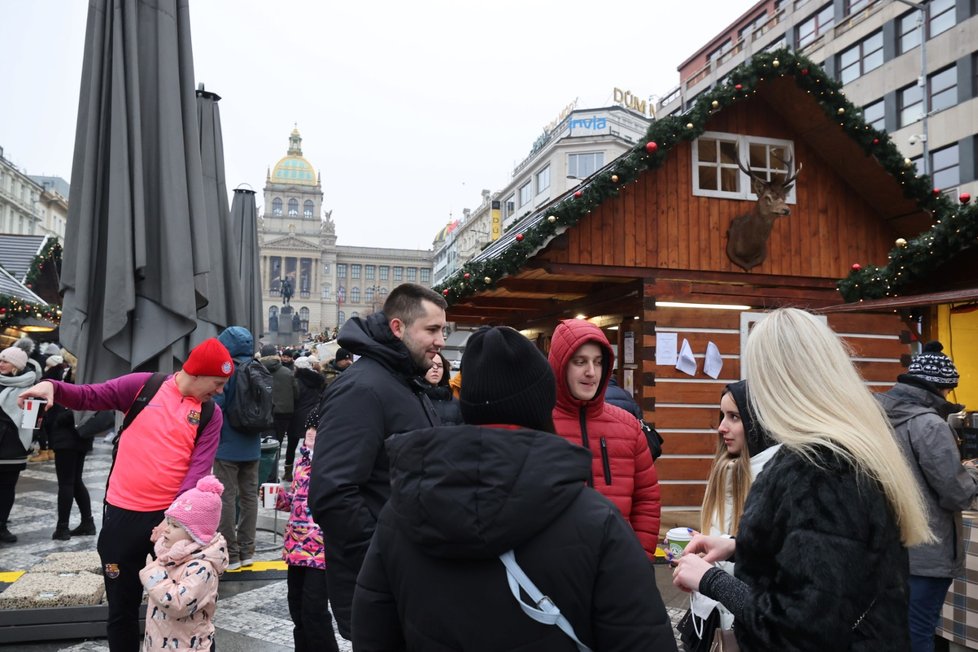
point(181, 583)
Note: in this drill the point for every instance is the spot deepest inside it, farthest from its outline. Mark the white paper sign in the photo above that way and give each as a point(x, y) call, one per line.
point(713, 363)
point(665, 348)
point(629, 352)
point(686, 362)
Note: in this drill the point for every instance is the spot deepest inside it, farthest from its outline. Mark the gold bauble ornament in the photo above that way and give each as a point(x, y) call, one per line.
point(614, 178)
point(841, 111)
point(689, 125)
point(901, 242)
point(775, 63)
point(552, 219)
point(907, 162)
point(488, 280)
point(715, 104)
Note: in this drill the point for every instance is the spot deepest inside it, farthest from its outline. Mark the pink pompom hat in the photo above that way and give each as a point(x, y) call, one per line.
point(198, 510)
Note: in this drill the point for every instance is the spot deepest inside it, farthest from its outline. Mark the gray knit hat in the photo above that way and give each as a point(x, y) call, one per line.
point(934, 367)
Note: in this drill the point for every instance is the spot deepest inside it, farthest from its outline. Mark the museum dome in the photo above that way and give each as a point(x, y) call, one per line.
point(294, 169)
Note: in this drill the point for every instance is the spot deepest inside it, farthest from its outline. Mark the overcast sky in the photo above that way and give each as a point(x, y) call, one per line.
point(408, 109)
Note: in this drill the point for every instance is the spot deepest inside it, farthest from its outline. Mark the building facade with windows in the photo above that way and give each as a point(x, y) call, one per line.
point(579, 143)
point(31, 205)
point(922, 90)
point(298, 251)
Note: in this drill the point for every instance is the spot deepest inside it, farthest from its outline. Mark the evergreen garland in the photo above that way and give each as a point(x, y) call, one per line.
point(954, 229)
point(51, 251)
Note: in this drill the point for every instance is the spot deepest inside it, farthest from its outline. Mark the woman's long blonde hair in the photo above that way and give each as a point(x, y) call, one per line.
point(806, 392)
point(737, 469)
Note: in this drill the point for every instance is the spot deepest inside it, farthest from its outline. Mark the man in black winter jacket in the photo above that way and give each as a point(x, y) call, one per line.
point(382, 394)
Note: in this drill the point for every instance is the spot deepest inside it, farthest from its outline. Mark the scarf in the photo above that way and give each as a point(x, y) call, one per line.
point(11, 390)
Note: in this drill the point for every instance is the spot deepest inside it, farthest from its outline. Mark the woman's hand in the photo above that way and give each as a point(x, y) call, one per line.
point(712, 548)
point(689, 572)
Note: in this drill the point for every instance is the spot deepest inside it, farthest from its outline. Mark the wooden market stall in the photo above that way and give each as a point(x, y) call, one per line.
point(642, 247)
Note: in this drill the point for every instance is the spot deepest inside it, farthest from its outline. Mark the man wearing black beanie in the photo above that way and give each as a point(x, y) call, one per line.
point(463, 495)
point(918, 409)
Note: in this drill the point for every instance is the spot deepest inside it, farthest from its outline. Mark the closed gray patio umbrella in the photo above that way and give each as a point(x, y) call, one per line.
point(136, 246)
point(242, 251)
point(222, 296)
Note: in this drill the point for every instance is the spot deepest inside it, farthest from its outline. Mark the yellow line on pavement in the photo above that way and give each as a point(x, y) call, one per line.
point(277, 565)
point(10, 577)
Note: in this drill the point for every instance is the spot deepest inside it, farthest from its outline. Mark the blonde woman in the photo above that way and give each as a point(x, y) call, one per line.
point(821, 547)
point(743, 450)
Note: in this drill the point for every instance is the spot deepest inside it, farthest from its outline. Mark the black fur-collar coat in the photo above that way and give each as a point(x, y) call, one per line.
point(819, 550)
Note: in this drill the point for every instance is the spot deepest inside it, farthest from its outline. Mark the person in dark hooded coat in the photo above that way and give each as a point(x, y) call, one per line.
point(381, 394)
point(462, 495)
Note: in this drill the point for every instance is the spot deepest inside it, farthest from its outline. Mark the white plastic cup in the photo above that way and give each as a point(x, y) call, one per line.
point(269, 492)
point(32, 408)
point(679, 538)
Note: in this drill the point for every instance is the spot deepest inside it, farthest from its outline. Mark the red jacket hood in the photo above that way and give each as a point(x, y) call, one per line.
point(568, 337)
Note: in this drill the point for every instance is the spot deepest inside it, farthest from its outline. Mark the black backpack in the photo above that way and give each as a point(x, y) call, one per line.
point(654, 438)
point(250, 407)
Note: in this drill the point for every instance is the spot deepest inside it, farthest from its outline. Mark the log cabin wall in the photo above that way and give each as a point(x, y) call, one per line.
point(657, 222)
point(685, 409)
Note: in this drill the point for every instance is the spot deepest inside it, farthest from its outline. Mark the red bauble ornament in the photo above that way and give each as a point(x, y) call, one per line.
point(519, 237)
point(856, 267)
point(804, 71)
point(738, 87)
point(651, 147)
point(964, 198)
point(445, 292)
point(937, 191)
point(466, 276)
point(578, 194)
point(3, 311)
point(876, 141)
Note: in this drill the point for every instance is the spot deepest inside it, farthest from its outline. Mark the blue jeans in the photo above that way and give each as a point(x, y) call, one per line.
point(926, 598)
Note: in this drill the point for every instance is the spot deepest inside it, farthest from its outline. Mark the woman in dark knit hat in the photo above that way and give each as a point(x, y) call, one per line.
point(463, 495)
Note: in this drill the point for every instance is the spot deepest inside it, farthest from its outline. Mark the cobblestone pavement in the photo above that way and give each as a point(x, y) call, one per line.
point(252, 615)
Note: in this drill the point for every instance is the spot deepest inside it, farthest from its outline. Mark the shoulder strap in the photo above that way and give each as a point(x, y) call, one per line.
point(148, 391)
point(206, 412)
point(545, 611)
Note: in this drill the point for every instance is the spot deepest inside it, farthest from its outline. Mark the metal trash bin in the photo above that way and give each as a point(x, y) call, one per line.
point(268, 463)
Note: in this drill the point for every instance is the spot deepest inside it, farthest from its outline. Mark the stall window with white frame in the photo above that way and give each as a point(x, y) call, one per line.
point(526, 193)
point(717, 174)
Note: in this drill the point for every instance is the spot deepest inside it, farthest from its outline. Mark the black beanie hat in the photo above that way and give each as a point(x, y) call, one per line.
point(934, 367)
point(507, 381)
point(757, 438)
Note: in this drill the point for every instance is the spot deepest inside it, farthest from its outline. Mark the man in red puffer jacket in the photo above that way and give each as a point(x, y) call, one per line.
point(622, 469)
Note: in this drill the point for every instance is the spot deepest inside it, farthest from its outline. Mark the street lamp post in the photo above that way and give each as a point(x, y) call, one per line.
point(922, 19)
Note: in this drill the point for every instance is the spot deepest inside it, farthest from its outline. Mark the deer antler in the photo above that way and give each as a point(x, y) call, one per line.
point(787, 165)
point(748, 172)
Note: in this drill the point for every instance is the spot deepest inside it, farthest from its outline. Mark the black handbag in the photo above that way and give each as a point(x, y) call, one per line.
point(692, 642)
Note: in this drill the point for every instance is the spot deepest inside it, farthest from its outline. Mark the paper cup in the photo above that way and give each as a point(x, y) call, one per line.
point(32, 408)
point(269, 492)
point(678, 537)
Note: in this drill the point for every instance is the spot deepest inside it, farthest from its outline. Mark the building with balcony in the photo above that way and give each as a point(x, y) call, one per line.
point(912, 67)
point(298, 252)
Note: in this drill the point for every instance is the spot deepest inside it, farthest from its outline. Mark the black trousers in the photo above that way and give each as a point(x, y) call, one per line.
point(313, 626)
point(9, 474)
point(69, 464)
point(123, 545)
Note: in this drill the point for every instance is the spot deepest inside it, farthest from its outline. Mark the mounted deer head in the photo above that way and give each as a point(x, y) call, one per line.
point(748, 234)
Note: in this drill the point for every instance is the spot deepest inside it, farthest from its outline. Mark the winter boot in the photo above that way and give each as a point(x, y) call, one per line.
point(87, 527)
point(61, 532)
point(6, 536)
